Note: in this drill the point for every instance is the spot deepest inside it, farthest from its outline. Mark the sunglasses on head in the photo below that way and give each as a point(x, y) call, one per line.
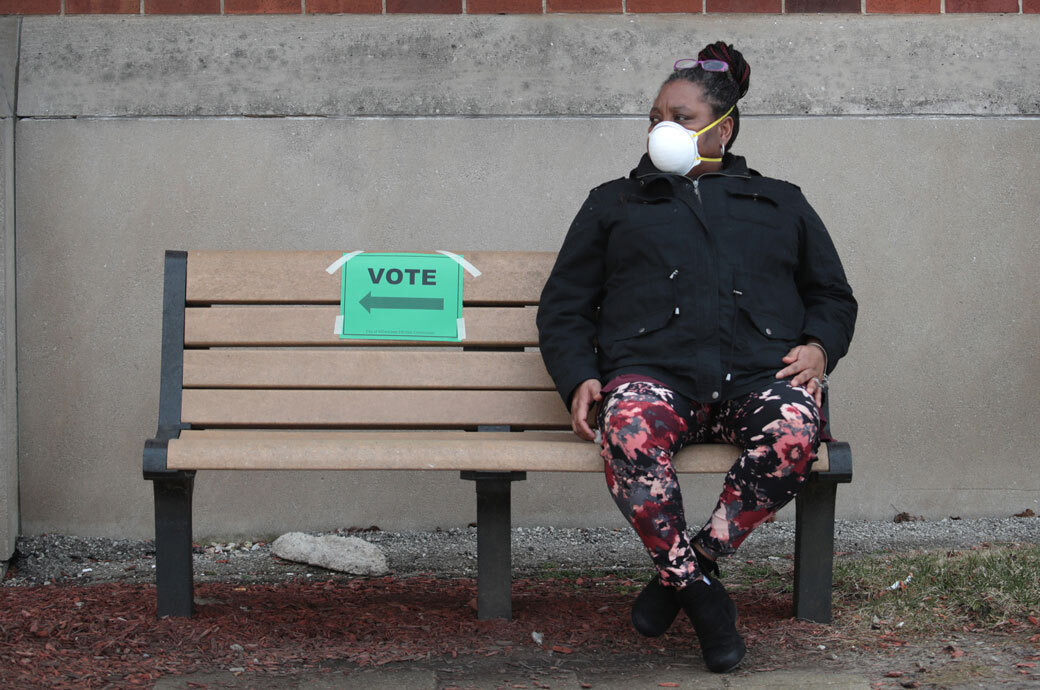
point(706, 65)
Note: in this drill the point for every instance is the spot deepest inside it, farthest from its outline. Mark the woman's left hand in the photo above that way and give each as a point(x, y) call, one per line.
point(805, 364)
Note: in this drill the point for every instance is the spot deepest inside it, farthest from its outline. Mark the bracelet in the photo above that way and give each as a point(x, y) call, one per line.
point(814, 344)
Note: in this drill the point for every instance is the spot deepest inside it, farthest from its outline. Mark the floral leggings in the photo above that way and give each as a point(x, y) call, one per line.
point(643, 424)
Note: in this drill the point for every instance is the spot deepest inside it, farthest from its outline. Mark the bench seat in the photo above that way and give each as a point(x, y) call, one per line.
point(529, 451)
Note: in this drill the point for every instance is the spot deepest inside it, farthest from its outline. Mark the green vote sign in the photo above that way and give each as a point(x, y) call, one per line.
point(402, 297)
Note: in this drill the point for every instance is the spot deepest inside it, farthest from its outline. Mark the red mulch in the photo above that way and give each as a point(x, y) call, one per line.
point(108, 635)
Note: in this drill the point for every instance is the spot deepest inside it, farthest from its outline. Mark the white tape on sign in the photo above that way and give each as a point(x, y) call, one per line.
point(461, 325)
point(342, 260)
point(470, 268)
point(339, 325)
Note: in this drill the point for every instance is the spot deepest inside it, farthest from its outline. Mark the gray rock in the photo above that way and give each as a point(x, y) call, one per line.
point(345, 554)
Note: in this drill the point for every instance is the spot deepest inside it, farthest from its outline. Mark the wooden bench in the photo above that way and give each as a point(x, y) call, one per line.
point(254, 378)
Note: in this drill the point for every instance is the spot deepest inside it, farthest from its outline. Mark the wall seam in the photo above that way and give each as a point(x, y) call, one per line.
point(142, 9)
point(13, 264)
point(525, 116)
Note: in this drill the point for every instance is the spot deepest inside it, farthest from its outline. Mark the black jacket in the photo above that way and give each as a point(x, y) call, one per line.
point(703, 285)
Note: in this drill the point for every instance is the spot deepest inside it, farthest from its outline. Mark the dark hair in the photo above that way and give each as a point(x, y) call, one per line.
point(722, 90)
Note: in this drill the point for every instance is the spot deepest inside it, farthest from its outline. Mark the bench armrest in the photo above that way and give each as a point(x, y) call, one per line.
point(840, 455)
point(154, 458)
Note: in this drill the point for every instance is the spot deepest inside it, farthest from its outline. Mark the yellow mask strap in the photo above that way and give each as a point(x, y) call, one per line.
point(700, 132)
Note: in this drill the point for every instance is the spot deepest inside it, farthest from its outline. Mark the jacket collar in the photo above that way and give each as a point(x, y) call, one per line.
point(731, 165)
point(654, 184)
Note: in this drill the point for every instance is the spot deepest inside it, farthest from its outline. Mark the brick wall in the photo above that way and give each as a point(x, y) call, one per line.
point(67, 7)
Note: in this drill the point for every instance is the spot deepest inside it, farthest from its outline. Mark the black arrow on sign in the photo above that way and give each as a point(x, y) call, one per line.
point(428, 303)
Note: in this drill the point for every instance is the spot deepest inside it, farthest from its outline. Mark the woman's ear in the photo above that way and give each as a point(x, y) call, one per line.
point(726, 131)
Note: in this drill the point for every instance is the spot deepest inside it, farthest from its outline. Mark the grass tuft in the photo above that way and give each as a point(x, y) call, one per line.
point(990, 588)
point(987, 587)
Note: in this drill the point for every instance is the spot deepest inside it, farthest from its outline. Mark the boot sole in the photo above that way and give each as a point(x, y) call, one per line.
point(648, 631)
point(732, 667)
point(645, 626)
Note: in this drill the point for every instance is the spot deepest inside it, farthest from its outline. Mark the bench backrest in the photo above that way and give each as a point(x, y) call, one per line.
point(260, 350)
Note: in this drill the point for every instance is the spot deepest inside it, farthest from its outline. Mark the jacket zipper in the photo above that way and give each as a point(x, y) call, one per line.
point(736, 293)
point(675, 289)
point(733, 335)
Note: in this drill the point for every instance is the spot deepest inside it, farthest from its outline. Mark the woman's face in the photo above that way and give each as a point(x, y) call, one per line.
point(682, 102)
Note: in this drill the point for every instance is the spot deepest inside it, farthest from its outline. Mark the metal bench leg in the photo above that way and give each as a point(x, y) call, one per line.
point(174, 582)
point(494, 543)
point(814, 551)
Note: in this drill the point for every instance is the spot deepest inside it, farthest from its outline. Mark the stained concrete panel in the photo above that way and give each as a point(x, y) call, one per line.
point(8, 407)
point(9, 33)
point(8, 349)
point(519, 65)
point(937, 395)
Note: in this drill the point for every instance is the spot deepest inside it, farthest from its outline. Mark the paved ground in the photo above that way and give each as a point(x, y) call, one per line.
point(559, 679)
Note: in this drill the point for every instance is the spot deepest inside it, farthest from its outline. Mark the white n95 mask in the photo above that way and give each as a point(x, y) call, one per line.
point(673, 148)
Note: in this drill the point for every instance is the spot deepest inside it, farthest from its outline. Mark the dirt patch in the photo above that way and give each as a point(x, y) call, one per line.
point(80, 612)
point(106, 635)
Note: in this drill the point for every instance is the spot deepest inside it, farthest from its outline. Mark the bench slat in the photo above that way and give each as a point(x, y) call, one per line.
point(365, 369)
point(301, 326)
point(373, 409)
point(257, 277)
point(489, 451)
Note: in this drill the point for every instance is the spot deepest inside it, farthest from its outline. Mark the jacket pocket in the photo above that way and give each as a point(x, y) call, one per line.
point(762, 340)
point(753, 207)
point(637, 310)
point(650, 213)
point(770, 326)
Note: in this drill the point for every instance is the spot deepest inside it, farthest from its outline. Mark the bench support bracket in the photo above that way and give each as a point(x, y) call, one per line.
point(494, 547)
point(814, 537)
point(814, 551)
point(174, 582)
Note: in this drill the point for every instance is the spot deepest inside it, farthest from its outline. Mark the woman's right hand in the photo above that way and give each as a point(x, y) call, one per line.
point(585, 395)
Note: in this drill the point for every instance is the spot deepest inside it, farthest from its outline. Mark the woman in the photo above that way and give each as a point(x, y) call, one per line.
point(697, 301)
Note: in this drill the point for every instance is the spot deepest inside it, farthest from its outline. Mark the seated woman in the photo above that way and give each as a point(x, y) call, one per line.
point(697, 301)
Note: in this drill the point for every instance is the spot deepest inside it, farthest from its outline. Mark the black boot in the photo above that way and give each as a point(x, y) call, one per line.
point(655, 608)
point(714, 617)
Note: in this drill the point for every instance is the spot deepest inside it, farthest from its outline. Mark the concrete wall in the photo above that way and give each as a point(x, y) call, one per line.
point(917, 143)
point(8, 400)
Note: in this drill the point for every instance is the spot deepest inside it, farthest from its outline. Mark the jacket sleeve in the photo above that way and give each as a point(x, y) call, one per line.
point(567, 309)
point(830, 308)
